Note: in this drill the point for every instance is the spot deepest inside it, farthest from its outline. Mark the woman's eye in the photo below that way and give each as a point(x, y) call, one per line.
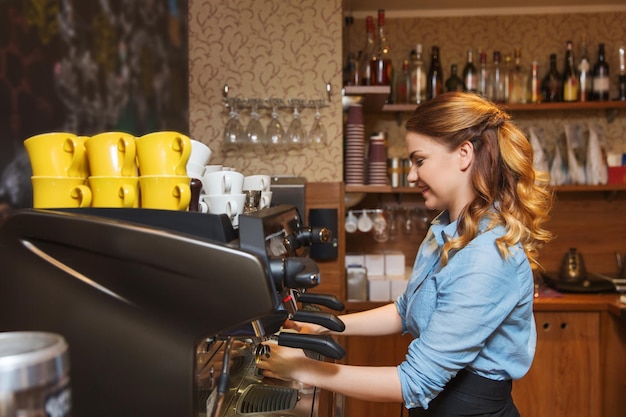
point(417, 162)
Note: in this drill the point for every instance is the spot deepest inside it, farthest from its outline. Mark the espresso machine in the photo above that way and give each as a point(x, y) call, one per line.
point(164, 312)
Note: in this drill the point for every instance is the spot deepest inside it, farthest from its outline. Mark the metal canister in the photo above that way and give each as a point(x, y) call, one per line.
point(394, 171)
point(34, 375)
point(406, 168)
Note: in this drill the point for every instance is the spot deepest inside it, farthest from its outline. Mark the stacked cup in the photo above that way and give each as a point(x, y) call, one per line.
point(258, 192)
point(113, 170)
point(222, 193)
point(162, 159)
point(60, 169)
point(199, 157)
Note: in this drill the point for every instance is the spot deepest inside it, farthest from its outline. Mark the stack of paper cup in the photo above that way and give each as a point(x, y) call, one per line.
point(377, 160)
point(355, 147)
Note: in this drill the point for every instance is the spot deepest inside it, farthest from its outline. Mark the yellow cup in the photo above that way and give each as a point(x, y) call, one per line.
point(57, 154)
point(60, 192)
point(112, 154)
point(118, 192)
point(163, 153)
point(166, 192)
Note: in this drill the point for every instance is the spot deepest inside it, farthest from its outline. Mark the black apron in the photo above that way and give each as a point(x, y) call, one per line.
point(469, 394)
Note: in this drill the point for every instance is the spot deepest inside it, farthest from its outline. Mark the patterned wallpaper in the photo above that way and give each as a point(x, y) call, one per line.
point(291, 48)
point(267, 49)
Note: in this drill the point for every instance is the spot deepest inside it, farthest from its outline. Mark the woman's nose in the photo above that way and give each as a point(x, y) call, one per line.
point(412, 175)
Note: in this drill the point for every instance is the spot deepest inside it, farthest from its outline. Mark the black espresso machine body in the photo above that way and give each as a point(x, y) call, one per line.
point(133, 292)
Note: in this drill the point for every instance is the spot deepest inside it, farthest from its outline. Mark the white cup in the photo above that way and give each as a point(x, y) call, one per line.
point(257, 182)
point(195, 170)
point(229, 204)
point(351, 222)
point(222, 182)
point(364, 223)
point(211, 168)
point(266, 199)
point(200, 153)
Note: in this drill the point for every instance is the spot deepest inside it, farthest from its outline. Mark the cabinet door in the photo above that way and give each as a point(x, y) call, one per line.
point(375, 351)
point(564, 380)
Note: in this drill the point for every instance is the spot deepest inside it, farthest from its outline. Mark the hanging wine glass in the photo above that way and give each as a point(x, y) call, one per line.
point(254, 131)
point(233, 132)
point(275, 134)
point(295, 133)
point(317, 134)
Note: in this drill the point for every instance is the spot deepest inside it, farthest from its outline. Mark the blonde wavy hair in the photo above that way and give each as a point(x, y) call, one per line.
point(503, 175)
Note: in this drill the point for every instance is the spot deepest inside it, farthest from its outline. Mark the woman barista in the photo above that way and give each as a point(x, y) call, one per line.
point(469, 300)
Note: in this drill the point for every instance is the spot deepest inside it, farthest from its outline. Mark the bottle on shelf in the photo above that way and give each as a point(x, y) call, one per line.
point(584, 73)
point(496, 87)
point(367, 53)
point(570, 82)
point(470, 74)
point(551, 86)
point(403, 85)
point(381, 60)
point(434, 83)
point(600, 83)
point(483, 75)
point(534, 86)
point(622, 75)
point(508, 63)
point(454, 82)
point(418, 76)
point(518, 80)
point(351, 70)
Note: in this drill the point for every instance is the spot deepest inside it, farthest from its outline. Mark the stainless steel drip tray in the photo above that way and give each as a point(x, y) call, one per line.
point(258, 396)
point(251, 394)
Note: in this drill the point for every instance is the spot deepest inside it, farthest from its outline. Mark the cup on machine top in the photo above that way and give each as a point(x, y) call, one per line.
point(163, 153)
point(57, 154)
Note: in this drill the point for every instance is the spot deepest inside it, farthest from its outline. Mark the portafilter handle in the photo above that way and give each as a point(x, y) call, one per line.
point(326, 300)
point(319, 343)
point(327, 320)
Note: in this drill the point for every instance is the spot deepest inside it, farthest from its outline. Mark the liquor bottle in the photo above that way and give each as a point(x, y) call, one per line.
point(483, 75)
point(351, 70)
point(518, 80)
point(434, 83)
point(570, 82)
point(454, 82)
point(600, 83)
point(622, 75)
point(470, 74)
point(534, 86)
point(584, 73)
point(367, 53)
point(403, 85)
point(496, 87)
point(381, 60)
point(551, 87)
point(418, 76)
point(507, 77)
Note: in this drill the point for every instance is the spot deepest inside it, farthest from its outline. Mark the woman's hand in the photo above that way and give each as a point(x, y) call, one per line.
point(281, 362)
point(305, 328)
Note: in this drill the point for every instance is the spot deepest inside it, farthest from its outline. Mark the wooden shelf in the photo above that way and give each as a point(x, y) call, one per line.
point(373, 97)
point(386, 189)
point(577, 106)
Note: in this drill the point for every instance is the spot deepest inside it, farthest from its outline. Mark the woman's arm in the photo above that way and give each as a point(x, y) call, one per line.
point(381, 384)
point(379, 321)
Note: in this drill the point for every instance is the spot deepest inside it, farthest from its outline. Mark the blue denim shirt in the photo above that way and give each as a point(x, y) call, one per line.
point(476, 313)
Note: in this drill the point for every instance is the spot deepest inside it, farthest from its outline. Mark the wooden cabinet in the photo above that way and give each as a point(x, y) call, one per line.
point(565, 378)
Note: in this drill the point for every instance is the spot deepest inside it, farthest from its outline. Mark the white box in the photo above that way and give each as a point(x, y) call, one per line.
point(397, 286)
point(355, 259)
point(379, 290)
point(395, 263)
point(375, 263)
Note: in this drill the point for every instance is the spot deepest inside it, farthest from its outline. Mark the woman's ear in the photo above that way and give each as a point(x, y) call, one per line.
point(466, 155)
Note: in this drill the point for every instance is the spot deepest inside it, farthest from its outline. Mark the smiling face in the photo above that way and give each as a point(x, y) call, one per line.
point(442, 176)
